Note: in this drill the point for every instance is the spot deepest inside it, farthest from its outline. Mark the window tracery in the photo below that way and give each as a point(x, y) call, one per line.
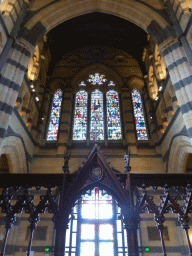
point(55, 116)
point(97, 79)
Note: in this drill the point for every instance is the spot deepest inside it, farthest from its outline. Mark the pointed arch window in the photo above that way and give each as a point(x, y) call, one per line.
point(55, 116)
point(139, 116)
point(96, 226)
point(97, 116)
point(80, 117)
point(113, 116)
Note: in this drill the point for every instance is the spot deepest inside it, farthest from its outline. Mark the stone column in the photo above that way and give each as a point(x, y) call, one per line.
point(151, 118)
point(181, 76)
point(10, 81)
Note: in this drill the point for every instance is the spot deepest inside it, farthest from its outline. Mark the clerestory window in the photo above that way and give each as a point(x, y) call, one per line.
point(97, 117)
point(53, 127)
point(140, 124)
point(96, 226)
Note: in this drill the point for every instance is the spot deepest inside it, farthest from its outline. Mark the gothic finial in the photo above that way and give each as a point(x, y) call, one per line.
point(66, 163)
point(127, 160)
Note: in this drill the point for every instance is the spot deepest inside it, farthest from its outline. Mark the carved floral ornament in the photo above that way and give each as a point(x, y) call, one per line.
point(97, 79)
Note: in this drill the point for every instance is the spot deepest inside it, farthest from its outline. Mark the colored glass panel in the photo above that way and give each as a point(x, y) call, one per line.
point(55, 116)
point(97, 121)
point(111, 83)
point(80, 119)
point(82, 83)
point(97, 79)
point(139, 116)
point(113, 116)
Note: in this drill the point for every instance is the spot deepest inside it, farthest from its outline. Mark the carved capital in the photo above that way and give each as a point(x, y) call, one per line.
point(167, 43)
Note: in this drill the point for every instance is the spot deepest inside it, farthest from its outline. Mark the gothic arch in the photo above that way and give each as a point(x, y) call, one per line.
point(56, 13)
point(180, 149)
point(13, 147)
point(136, 83)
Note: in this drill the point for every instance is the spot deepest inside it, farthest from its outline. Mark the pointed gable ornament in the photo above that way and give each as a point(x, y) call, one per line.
point(95, 172)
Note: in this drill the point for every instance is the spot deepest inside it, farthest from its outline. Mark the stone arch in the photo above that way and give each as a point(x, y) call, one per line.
point(55, 13)
point(13, 147)
point(136, 83)
point(181, 147)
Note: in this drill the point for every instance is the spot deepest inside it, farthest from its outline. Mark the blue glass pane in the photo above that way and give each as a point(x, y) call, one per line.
point(97, 121)
point(139, 116)
point(113, 116)
point(80, 118)
point(103, 195)
point(55, 116)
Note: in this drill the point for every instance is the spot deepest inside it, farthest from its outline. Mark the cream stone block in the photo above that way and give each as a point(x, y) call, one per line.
point(47, 165)
point(63, 137)
point(61, 150)
point(146, 165)
point(131, 138)
point(133, 149)
point(76, 163)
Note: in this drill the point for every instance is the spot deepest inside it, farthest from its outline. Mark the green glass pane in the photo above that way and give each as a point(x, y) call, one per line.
point(87, 249)
point(106, 248)
point(106, 232)
point(87, 231)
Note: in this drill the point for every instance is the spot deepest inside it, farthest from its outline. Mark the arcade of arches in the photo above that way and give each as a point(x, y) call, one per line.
point(52, 105)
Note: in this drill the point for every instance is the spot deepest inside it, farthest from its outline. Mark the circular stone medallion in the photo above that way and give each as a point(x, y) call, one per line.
point(96, 173)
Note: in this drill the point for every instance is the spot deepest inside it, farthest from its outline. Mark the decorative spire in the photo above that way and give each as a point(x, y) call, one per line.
point(127, 161)
point(66, 163)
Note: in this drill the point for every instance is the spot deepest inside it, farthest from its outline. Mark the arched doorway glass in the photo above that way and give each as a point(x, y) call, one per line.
point(96, 226)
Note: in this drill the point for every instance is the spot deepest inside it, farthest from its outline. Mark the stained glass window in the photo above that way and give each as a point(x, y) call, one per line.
point(82, 83)
point(55, 116)
point(139, 116)
point(113, 116)
point(111, 83)
point(80, 118)
point(97, 116)
point(97, 79)
point(99, 229)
